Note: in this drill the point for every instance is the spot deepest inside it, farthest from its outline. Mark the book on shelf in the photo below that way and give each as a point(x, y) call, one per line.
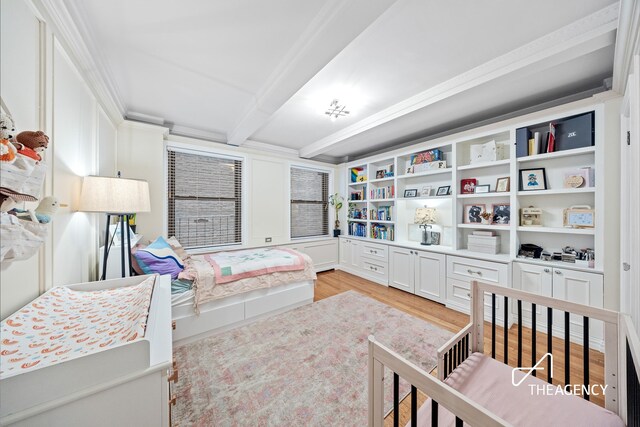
point(382, 192)
point(357, 229)
point(357, 194)
point(383, 213)
point(382, 231)
point(358, 214)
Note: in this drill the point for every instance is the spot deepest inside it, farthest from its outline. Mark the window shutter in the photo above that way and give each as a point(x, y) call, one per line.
point(309, 203)
point(204, 199)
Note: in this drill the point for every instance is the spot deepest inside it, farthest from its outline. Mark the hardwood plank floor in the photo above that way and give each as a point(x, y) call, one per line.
point(334, 282)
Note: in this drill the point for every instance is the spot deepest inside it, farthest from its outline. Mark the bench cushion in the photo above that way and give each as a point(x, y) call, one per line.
point(488, 382)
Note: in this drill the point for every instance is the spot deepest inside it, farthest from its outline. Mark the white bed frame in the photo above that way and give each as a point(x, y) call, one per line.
point(124, 385)
point(237, 310)
point(619, 336)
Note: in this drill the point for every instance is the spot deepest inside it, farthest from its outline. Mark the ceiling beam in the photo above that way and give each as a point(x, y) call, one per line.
point(586, 35)
point(335, 27)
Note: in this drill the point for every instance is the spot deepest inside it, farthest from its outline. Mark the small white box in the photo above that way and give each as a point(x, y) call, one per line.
point(487, 152)
point(423, 167)
point(483, 244)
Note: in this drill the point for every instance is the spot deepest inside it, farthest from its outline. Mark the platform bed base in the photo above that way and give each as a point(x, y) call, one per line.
point(237, 310)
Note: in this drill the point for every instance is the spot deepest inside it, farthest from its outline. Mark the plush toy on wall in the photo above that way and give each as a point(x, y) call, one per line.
point(42, 214)
point(8, 151)
point(32, 143)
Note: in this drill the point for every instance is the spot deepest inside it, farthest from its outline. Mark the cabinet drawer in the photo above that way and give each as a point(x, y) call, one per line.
point(459, 298)
point(474, 269)
point(375, 251)
point(375, 269)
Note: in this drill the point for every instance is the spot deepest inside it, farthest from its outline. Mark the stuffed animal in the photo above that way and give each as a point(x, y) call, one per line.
point(8, 151)
point(42, 214)
point(32, 143)
point(7, 127)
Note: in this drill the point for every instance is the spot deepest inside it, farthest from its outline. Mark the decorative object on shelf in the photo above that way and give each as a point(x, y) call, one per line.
point(472, 213)
point(467, 186)
point(529, 250)
point(533, 179)
point(578, 178)
point(380, 173)
point(411, 192)
point(564, 134)
point(115, 197)
point(426, 157)
point(582, 216)
point(426, 191)
point(424, 218)
point(486, 217)
point(503, 185)
point(444, 190)
point(427, 166)
point(501, 213)
point(483, 243)
point(531, 217)
point(487, 152)
point(545, 256)
point(486, 188)
point(358, 175)
point(336, 200)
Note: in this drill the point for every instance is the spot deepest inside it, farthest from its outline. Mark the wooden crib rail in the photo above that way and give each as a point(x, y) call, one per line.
point(454, 351)
point(441, 394)
point(629, 367)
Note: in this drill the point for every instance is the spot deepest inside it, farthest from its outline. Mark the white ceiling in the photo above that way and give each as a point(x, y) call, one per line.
point(254, 71)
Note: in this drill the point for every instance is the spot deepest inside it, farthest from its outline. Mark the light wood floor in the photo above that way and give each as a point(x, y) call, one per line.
point(334, 282)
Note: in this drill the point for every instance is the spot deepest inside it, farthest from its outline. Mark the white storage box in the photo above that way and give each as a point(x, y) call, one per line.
point(483, 244)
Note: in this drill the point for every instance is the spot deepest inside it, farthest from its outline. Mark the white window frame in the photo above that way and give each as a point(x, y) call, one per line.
point(331, 219)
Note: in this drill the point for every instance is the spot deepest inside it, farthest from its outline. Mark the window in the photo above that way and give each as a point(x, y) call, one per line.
point(204, 199)
point(309, 198)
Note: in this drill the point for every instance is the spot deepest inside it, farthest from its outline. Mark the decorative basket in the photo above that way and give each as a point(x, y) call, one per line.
point(20, 239)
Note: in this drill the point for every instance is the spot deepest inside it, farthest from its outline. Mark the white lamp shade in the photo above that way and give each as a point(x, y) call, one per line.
point(114, 195)
point(425, 216)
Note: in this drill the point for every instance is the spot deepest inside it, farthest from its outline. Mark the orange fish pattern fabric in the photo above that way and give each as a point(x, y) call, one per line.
point(64, 324)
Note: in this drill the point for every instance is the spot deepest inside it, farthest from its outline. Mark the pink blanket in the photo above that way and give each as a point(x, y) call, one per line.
point(236, 265)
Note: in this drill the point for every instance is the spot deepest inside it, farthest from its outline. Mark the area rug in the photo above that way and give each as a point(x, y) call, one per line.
point(305, 367)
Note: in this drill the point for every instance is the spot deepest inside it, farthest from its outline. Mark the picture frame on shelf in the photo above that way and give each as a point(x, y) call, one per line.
point(443, 191)
point(467, 186)
point(471, 214)
point(425, 191)
point(501, 213)
point(503, 185)
point(533, 179)
point(486, 188)
point(380, 173)
point(579, 217)
point(411, 192)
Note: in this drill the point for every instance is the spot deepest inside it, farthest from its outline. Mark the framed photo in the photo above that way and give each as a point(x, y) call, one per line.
point(533, 179)
point(579, 217)
point(482, 188)
point(468, 186)
point(443, 191)
point(472, 213)
point(412, 192)
point(380, 173)
point(425, 191)
point(501, 213)
point(503, 184)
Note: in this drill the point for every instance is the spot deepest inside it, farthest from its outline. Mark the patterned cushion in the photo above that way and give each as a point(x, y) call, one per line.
point(159, 258)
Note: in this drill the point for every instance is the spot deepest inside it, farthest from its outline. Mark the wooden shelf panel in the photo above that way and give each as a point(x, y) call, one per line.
point(485, 165)
point(426, 173)
point(477, 195)
point(557, 154)
point(554, 191)
point(557, 230)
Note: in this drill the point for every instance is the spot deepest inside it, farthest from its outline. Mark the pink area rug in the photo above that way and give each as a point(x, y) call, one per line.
point(306, 367)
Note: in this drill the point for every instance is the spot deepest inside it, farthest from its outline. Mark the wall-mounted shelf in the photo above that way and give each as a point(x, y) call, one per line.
point(557, 230)
point(557, 191)
point(557, 154)
point(481, 195)
point(426, 173)
point(485, 227)
point(485, 165)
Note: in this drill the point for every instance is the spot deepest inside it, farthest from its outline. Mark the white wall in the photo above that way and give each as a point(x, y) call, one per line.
point(141, 154)
point(50, 94)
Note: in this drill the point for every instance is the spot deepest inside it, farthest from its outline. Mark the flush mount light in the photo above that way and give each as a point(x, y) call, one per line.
point(336, 110)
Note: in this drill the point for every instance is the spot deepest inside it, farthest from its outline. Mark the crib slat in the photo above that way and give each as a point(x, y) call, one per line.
point(396, 400)
point(493, 326)
point(434, 413)
point(506, 330)
point(585, 356)
point(534, 356)
point(460, 358)
point(567, 349)
point(459, 422)
point(414, 406)
point(446, 366)
point(549, 340)
point(450, 361)
point(519, 332)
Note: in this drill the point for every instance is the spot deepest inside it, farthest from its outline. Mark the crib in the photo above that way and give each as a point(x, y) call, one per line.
point(454, 399)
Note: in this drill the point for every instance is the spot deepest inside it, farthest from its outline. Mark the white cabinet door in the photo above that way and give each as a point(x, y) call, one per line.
point(582, 288)
point(538, 280)
point(355, 252)
point(401, 263)
point(345, 252)
point(430, 274)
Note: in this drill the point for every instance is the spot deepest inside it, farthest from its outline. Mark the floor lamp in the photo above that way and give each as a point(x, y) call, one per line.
point(117, 197)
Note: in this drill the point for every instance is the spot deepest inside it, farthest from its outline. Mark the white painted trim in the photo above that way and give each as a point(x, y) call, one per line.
point(331, 218)
point(189, 132)
point(263, 146)
point(588, 30)
point(627, 43)
point(144, 126)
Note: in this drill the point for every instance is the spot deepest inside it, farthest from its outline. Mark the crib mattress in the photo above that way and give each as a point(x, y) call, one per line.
point(488, 382)
point(64, 324)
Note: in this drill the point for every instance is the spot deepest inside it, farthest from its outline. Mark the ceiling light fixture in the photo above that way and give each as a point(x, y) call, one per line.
point(336, 110)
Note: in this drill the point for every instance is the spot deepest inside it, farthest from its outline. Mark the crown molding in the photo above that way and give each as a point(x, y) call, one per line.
point(205, 135)
point(627, 44)
point(587, 34)
point(80, 47)
point(149, 127)
point(311, 52)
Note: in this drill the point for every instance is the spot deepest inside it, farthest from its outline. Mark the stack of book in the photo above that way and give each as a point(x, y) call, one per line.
point(357, 229)
point(379, 231)
point(357, 195)
point(382, 192)
point(383, 213)
point(485, 242)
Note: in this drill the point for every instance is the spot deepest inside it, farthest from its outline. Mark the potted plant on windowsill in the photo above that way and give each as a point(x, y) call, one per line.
point(336, 200)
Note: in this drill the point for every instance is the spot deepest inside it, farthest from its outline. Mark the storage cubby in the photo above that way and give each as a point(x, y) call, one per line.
point(501, 141)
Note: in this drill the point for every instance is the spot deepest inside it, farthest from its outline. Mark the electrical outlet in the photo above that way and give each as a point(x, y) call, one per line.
point(267, 239)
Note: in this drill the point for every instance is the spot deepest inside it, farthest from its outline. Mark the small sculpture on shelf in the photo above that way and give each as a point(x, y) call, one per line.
point(486, 217)
point(530, 217)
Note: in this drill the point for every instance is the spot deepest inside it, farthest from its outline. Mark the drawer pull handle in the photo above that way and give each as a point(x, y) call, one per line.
point(370, 251)
point(479, 273)
point(173, 400)
point(174, 376)
point(558, 271)
point(371, 267)
point(173, 325)
point(546, 270)
point(411, 252)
